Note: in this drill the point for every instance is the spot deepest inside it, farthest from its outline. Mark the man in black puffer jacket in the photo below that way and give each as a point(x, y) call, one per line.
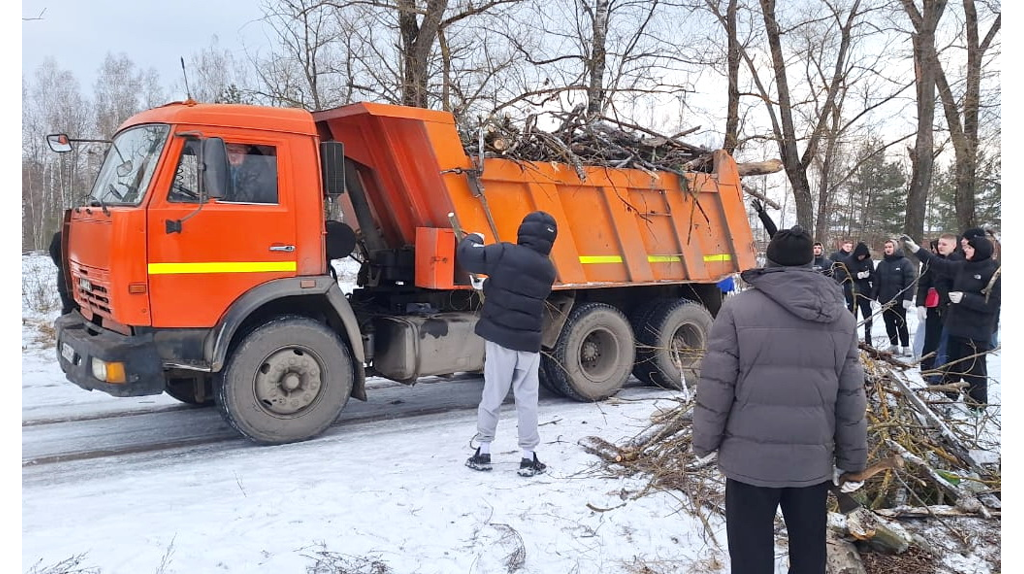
point(975, 299)
point(861, 268)
point(519, 280)
point(781, 400)
point(895, 285)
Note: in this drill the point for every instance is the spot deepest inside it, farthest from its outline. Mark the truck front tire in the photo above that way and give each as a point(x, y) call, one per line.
point(286, 381)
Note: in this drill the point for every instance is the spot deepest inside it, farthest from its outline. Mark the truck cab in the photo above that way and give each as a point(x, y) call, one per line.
point(170, 255)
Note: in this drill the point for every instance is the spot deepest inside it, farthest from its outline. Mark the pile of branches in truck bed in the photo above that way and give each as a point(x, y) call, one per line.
point(581, 140)
point(929, 445)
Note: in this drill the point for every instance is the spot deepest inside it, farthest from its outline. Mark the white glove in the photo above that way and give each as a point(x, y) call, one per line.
point(956, 296)
point(907, 304)
point(847, 487)
point(909, 244)
point(922, 313)
point(702, 461)
point(477, 282)
point(863, 275)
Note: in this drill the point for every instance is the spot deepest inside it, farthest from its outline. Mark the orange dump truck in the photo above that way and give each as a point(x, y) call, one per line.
point(192, 280)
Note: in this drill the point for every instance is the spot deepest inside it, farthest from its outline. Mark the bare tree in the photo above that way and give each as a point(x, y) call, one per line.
point(926, 67)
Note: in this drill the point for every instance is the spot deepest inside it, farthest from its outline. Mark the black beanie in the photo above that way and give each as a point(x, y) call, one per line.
point(791, 247)
point(973, 232)
point(982, 248)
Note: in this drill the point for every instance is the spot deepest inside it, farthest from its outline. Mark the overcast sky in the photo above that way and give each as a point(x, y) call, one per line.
point(79, 34)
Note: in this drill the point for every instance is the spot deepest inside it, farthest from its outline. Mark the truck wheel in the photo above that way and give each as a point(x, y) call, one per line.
point(286, 381)
point(545, 381)
point(184, 390)
point(671, 337)
point(593, 355)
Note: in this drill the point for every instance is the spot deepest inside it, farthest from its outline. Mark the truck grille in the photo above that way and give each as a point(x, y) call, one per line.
point(91, 287)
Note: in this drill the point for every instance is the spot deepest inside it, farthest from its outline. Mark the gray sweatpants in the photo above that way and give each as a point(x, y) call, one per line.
point(505, 368)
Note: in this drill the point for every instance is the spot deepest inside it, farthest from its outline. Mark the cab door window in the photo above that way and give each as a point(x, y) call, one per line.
point(185, 188)
point(252, 174)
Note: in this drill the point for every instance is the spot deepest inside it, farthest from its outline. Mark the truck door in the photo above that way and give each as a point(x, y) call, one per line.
point(201, 258)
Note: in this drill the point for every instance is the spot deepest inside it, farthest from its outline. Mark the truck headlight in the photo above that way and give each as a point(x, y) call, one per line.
point(108, 372)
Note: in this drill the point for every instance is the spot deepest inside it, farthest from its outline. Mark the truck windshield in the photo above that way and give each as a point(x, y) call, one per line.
point(129, 165)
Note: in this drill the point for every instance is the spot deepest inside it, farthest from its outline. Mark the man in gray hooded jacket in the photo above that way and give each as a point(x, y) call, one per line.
point(781, 400)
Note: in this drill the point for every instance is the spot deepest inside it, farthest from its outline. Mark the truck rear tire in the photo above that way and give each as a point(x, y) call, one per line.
point(286, 381)
point(545, 381)
point(671, 337)
point(594, 353)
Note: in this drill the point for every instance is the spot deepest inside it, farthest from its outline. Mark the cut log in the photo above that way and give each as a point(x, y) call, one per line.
point(940, 510)
point(879, 533)
point(753, 168)
point(842, 556)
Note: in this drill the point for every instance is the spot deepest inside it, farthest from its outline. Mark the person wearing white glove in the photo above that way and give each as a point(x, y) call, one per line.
point(865, 286)
point(975, 300)
point(806, 410)
point(700, 462)
point(519, 279)
point(896, 278)
point(848, 486)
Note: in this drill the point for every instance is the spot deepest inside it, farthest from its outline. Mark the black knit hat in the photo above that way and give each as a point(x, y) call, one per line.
point(791, 247)
point(538, 231)
point(973, 232)
point(982, 248)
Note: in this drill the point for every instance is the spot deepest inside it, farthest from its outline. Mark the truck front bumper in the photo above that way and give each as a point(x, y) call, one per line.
point(79, 342)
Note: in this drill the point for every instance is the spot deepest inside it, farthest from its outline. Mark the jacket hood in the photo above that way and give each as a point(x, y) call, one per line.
point(800, 290)
point(861, 250)
point(538, 232)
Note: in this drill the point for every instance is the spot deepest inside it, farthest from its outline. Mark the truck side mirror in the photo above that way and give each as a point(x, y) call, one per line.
point(59, 143)
point(214, 168)
point(332, 166)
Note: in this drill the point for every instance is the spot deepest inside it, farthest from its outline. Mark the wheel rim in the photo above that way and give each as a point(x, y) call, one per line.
point(288, 381)
point(686, 347)
point(598, 354)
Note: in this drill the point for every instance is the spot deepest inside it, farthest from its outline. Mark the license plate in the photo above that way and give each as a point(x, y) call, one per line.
point(68, 352)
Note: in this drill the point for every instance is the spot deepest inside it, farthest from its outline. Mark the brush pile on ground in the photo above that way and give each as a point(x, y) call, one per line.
point(948, 465)
point(581, 140)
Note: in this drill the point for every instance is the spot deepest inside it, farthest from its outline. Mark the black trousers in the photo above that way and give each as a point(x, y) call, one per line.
point(895, 318)
point(864, 304)
point(750, 527)
point(932, 337)
point(962, 364)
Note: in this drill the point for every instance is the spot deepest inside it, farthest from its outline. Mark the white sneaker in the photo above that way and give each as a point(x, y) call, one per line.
point(905, 351)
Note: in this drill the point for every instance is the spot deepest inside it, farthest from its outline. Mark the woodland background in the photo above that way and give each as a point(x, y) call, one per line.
point(886, 113)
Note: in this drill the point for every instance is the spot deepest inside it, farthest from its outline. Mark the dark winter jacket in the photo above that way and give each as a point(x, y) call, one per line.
point(975, 316)
point(519, 280)
point(840, 263)
point(859, 262)
point(941, 281)
point(781, 392)
point(822, 264)
point(894, 278)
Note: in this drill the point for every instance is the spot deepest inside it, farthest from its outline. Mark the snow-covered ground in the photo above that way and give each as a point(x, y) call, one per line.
point(371, 495)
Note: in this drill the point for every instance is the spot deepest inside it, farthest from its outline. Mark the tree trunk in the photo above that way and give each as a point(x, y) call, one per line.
point(795, 170)
point(926, 67)
point(418, 38)
point(598, 59)
point(732, 121)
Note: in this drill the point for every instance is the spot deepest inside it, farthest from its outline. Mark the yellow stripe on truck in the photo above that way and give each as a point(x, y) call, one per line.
point(222, 267)
point(718, 257)
point(651, 258)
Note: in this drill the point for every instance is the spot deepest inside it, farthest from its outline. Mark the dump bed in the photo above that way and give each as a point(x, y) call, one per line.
point(616, 226)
